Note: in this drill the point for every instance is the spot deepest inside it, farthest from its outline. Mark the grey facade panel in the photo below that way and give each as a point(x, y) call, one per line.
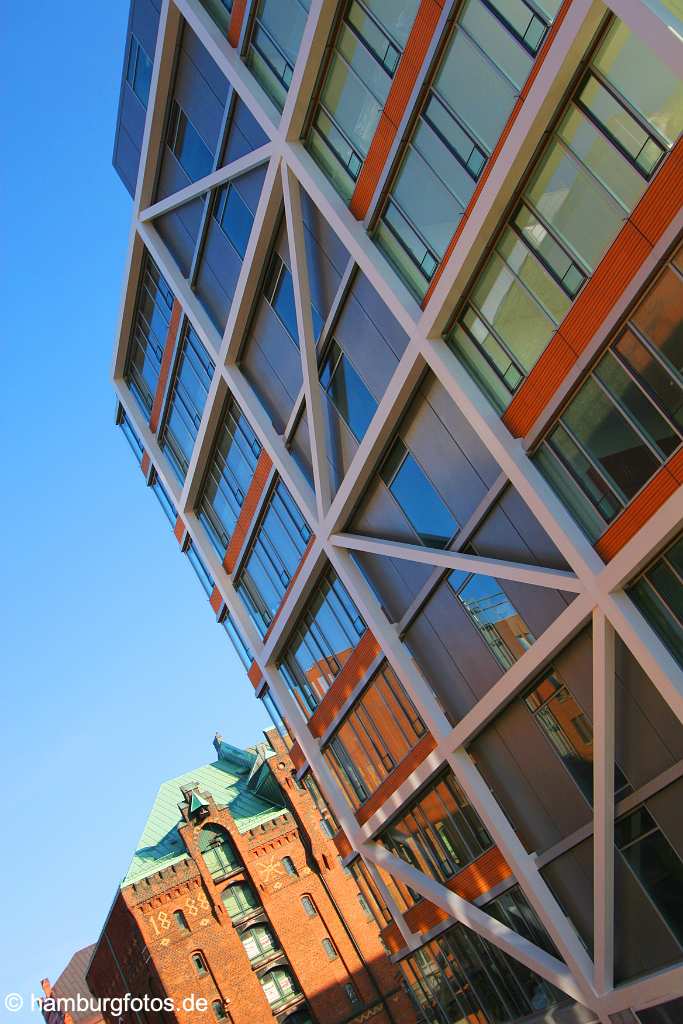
point(365, 346)
point(143, 23)
point(380, 315)
point(301, 449)
point(179, 230)
point(244, 133)
point(217, 274)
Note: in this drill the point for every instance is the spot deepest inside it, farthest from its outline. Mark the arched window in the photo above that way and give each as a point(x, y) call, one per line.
point(330, 951)
point(279, 986)
point(309, 906)
point(239, 899)
point(258, 941)
point(365, 907)
point(288, 865)
point(181, 920)
point(217, 850)
point(199, 964)
point(219, 1009)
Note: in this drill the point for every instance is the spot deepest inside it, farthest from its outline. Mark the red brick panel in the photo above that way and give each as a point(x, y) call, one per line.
point(392, 938)
point(165, 369)
point(397, 778)
point(251, 502)
point(351, 674)
point(236, 18)
point(423, 916)
point(554, 29)
point(402, 85)
point(662, 485)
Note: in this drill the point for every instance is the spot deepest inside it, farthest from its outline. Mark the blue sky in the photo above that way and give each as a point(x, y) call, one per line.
point(114, 673)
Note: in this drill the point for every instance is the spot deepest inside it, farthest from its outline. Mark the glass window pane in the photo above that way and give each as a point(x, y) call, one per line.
point(640, 409)
point(659, 317)
point(612, 169)
point(353, 400)
point(422, 505)
point(426, 201)
point(352, 105)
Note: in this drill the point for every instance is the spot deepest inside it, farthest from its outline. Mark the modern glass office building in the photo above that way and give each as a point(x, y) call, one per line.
point(401, 356)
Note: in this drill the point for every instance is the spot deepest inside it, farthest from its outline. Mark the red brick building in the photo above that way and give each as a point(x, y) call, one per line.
point(237, 907)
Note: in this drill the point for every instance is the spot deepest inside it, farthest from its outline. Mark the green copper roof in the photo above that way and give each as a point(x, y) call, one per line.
point(228, 780)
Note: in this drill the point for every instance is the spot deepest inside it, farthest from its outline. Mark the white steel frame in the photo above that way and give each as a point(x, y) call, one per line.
point(598, 588)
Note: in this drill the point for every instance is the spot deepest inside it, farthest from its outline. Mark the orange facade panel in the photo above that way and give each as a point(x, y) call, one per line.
point(251, 502)
point(179, 531)
point(165, 369)
point(216, 600)
point(145, 465)
point(663, 199)
point(342, 844)
point(392, 938)
point(424, 916)
point(662, 485)
point(353, 670)
point(397, 778)
point(236, 20)
point(297, 756)
point(539, 387)
point(402, 85)
point(254, 675)
point(482, 875)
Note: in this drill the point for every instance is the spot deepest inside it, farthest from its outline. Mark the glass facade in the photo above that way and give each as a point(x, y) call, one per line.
point(274, 557)
point(274, 43)
point(186, 404)
point(238, 642)
point(278, 290)
point(367, 51)
point(379, 731)
point(201, 571)
point(655, 864)
point(228, 477)
point(460, 976)
point(626, 419)
point(569, 732)
point(346, 391)
point(321, 642)
point(659, 595)
point(439, 834)
point(150, 328)
point(596, 166)
point(164, 499)
point(189, 148)
point(417, 497)
point(234, 217)
point(130, 434)
point(277, 718)
point(486, 62)
point(139, 71)
point(490, 610)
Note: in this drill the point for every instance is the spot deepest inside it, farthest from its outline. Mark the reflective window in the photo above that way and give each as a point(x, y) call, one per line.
point(321, 642)
point(501, 626)
point(570, 733)
point(288, 865)
point(367, 50)
point(275, 556)
point(440, 833)
point(238, 641)
point(379, 731)
point(348, 393)
point(417, 497)
point(164, 499)
point(234, 217)
point(218, 1010)
point(217, 851)
point(309, 906)
point(372, 897)
point(655, 864)
point(460, 976)
point(181, 920)
point(486, 62)
point(239, 899)
point(626, 420)
point(231, 469)
point(659, 595)
point(593, 171)
point(202, 573)
point(186, 404)
point(274, 43)
point(351, 993)
point(130, 435)
point(148, 337)
point(278, 289)
point(199, 964)
point(277, 718)
point(187, 145)
point(330, 951)
point(139, 71)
